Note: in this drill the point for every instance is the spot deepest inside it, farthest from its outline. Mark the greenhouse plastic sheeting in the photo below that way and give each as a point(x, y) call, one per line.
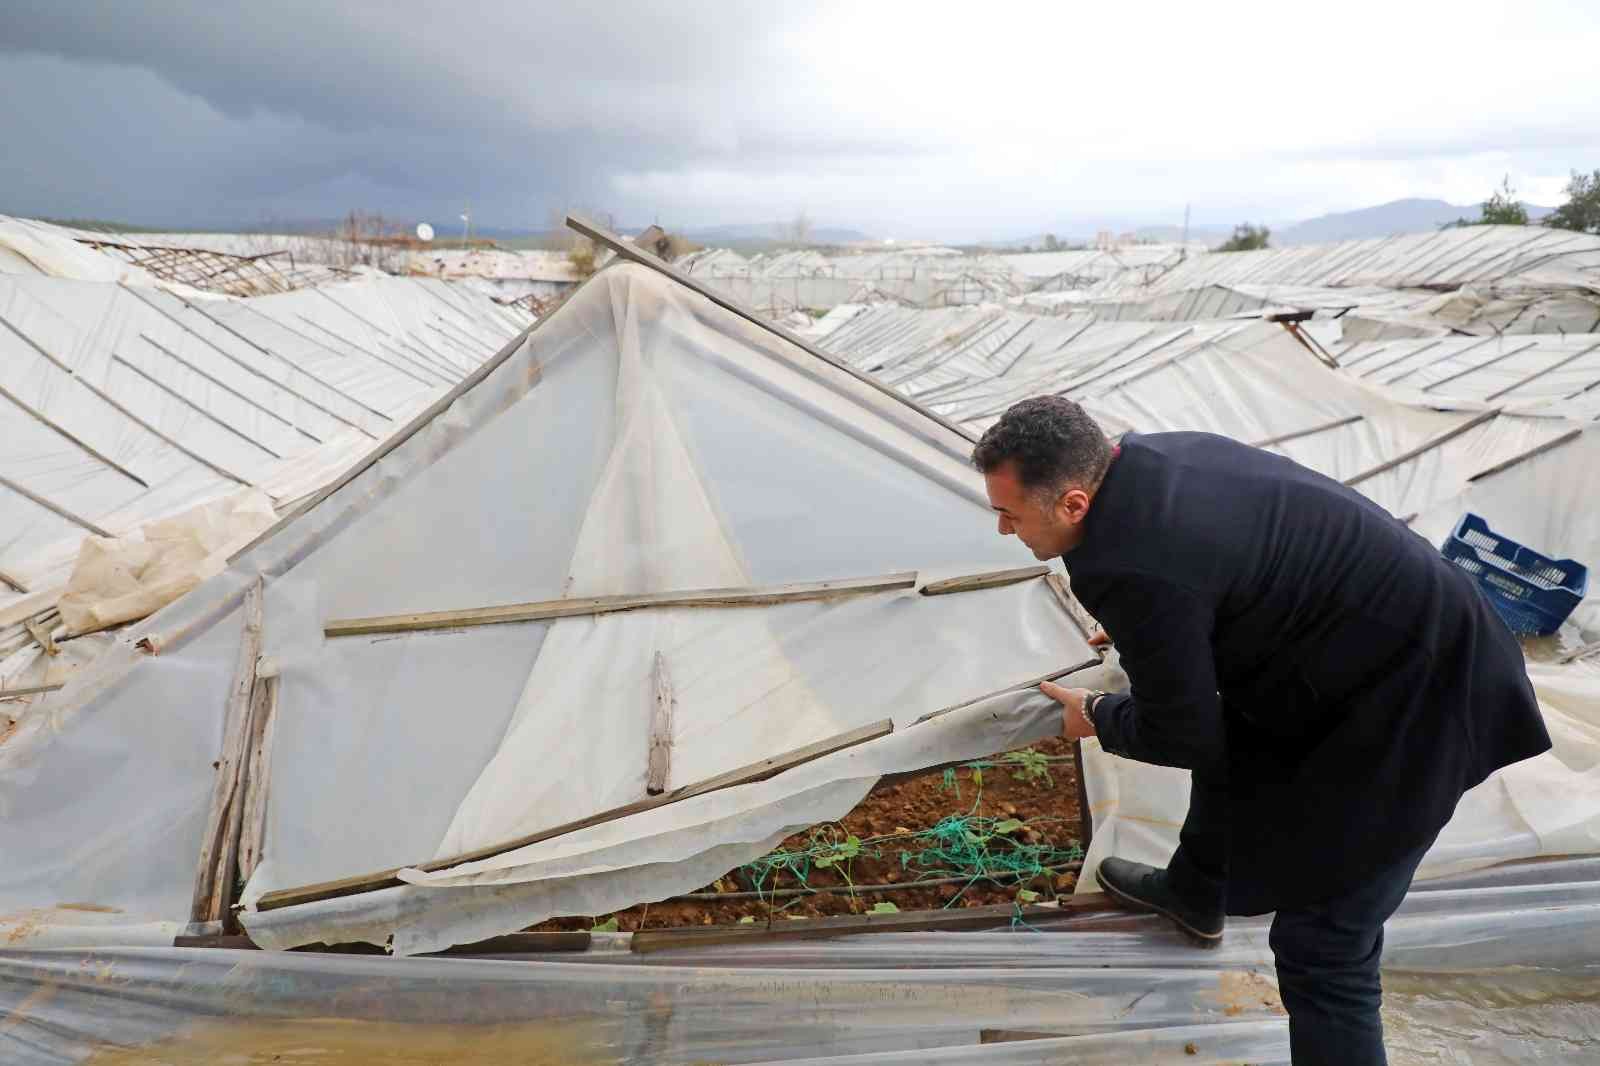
point(1141, 994)
point(641, 440)
point(126, 404)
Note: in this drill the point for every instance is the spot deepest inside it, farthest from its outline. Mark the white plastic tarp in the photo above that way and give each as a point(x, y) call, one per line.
point(642, 440)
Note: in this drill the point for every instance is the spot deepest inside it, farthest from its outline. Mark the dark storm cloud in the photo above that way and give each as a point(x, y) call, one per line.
point(234, 110)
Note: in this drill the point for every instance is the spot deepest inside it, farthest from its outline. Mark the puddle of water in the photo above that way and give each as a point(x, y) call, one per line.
point(1491, 1019)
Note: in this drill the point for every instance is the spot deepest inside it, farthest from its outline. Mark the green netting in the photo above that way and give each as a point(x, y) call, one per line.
point(971, 846)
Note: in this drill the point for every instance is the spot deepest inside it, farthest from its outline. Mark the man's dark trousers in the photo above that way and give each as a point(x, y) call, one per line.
point(1327, 953)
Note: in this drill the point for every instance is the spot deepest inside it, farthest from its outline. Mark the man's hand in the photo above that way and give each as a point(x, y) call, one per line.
point(1074, 723)
point(1099, 639)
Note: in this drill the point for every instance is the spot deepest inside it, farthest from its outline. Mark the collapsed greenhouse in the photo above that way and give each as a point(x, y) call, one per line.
point(657, 584)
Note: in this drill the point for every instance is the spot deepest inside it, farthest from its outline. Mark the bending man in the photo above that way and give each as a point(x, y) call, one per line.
point(1333, 684)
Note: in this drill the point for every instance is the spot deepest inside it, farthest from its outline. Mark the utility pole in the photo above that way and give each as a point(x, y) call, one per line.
point(1183, 246)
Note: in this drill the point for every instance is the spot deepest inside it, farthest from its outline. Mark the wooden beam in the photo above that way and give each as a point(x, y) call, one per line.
point(1538, 449)
point(507, 944)
point(757, 771)
point(661, 714)
point(1426, 446)
point(1085, 816)
point(213, 882)
point(224, 386)
point(41, 636)
point(991, 580)
point(1076, 611)
point(55, 509)
point(988, 917)
point(13, 583)
point(113, 404)
point(1284, 438)
point(626, 250)
point(244, 364)
point(67, 435)
point(542, 610)
point(1031, 683)
point(28, 690)
point(258, 771)
point(1541, 372)
point(117, 360)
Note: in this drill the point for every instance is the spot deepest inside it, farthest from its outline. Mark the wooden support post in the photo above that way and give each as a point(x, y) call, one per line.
point(14, 584)
point(28, 690)
point(974, 582)
point(258, 770)
point(213, 888)
point(1031, 683)
point(1582, 653)
point(542, 610)
point(1085, 817)
point(758, 771)
point(661, 715)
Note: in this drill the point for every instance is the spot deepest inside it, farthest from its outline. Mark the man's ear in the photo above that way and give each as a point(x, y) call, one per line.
point(1072, 506)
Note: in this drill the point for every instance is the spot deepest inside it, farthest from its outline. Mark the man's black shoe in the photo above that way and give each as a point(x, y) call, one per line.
point(1145, 888)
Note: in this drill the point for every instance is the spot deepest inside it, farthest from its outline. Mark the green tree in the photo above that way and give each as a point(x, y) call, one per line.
point(1246, 238)
point(1500, 209)
point(1581, 212)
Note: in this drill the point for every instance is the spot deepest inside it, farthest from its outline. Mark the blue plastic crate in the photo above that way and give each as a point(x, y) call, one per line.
point(1533, 594)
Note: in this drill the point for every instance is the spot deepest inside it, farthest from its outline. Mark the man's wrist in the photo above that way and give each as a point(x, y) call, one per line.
point(1090, 703)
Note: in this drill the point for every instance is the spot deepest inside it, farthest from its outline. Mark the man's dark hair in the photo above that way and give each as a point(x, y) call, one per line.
point(1052, 441)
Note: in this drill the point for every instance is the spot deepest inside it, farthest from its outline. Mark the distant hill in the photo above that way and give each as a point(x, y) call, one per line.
point(1398, 216)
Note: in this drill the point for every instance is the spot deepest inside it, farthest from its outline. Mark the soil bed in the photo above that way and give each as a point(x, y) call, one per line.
point(1009, 813)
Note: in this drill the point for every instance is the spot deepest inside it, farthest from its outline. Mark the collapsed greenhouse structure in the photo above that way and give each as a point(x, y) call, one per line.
point(615, 608)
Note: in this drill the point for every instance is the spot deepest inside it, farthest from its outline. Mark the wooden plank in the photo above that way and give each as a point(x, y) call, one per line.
point(258, 773)
point(1076, 611)
point(28, 690)
point(14, 584)
point(1007, 1036)
point(1426, 446)
point(508, 944)
point(220, 818)
point(117, 360)
point(53, 508)
point(661, 714)
point(992, 580)
point(1085, 816)
point(1297, 434)
point(595, 605)
point(757, 771)
point(629, 251)
point(66, 434)
point(41, 636)
point(1538, 449)
point(1054, 675)
point(989, 917)
point(1541, 372)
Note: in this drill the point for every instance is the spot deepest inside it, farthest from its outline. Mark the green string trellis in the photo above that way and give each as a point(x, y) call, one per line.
point(977, 847)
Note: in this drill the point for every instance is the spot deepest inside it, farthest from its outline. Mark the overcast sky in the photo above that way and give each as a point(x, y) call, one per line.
point(959, 121)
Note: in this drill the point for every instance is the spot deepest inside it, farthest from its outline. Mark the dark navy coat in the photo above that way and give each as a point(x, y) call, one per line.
point(1285, 635)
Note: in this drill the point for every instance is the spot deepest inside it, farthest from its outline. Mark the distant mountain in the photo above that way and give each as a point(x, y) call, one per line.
point(1398, 216)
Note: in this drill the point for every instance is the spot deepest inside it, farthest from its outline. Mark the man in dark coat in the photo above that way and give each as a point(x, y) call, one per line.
point(1333, 684)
